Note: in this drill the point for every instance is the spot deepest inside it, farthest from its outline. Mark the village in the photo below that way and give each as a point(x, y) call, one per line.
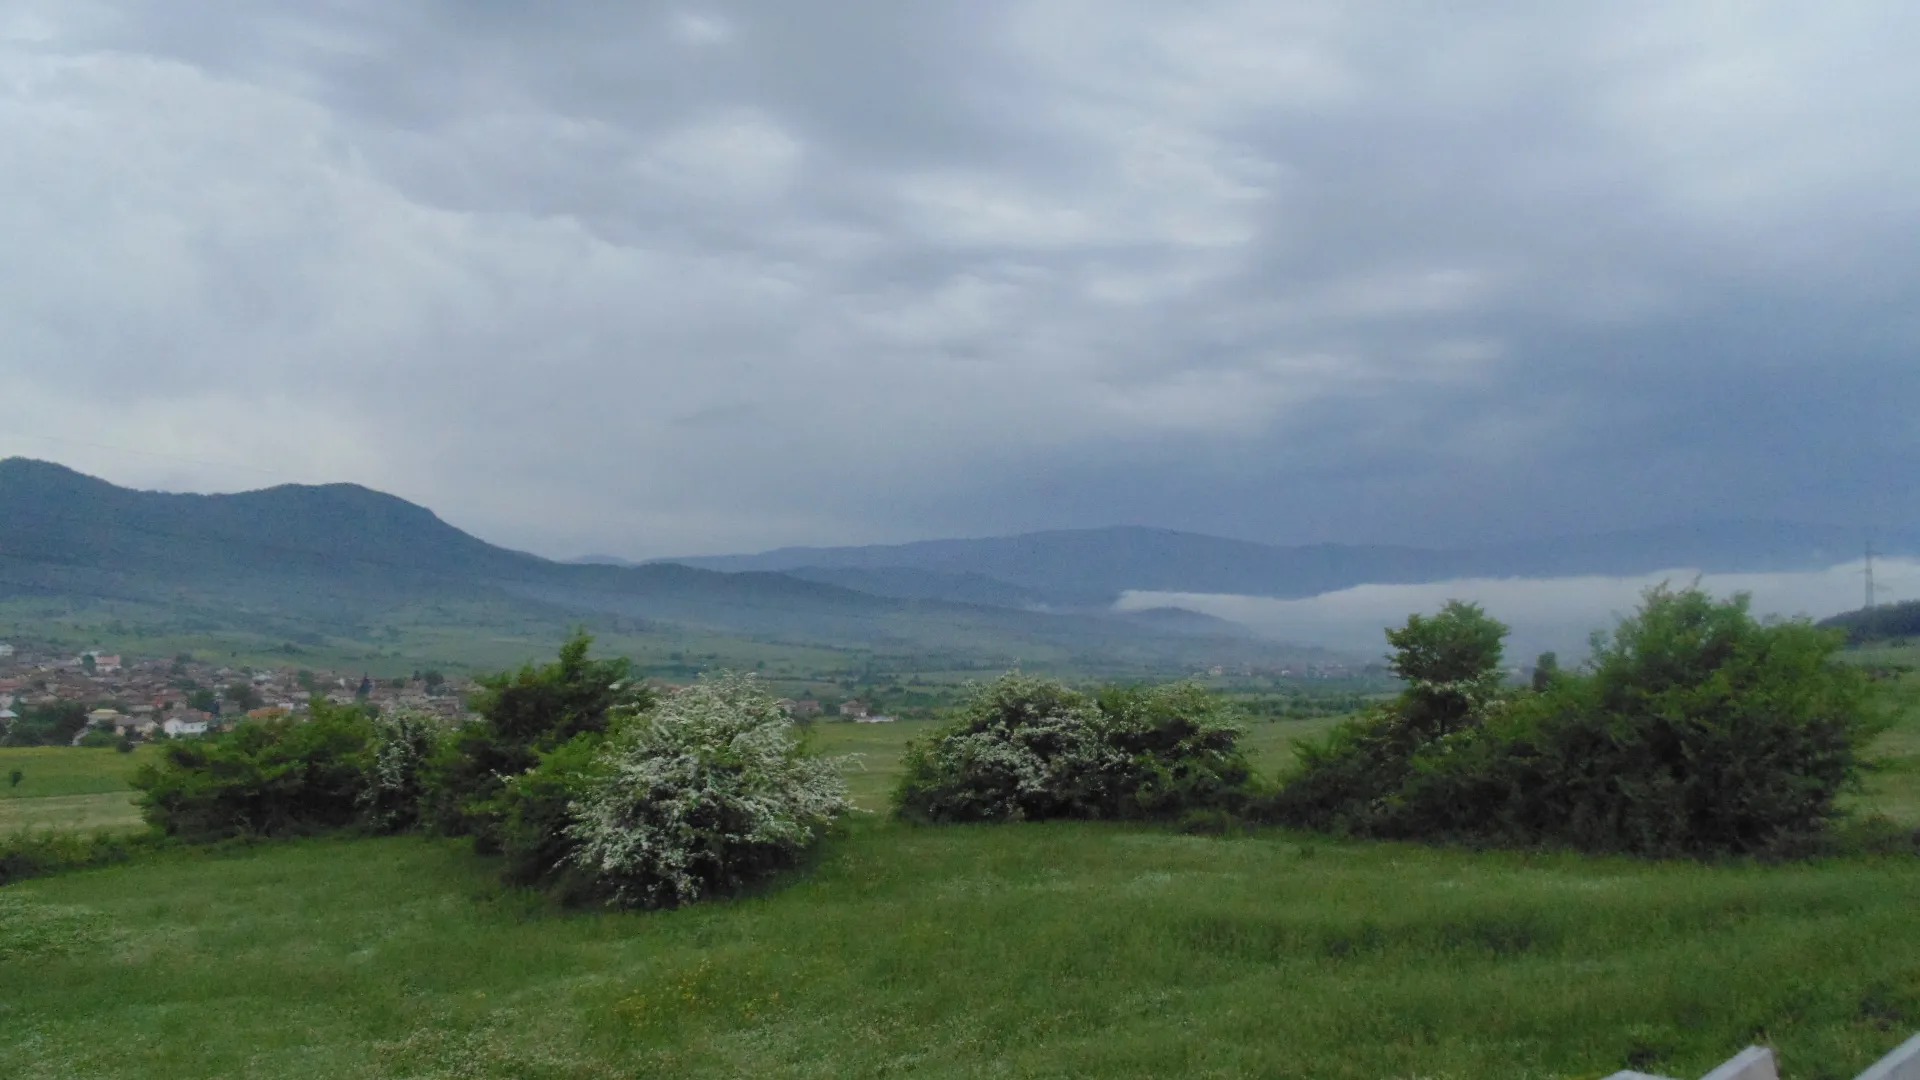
point(146, 698)
point(185, 696)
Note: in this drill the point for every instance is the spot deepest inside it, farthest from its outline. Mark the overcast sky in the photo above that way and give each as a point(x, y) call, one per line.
point(654, 279)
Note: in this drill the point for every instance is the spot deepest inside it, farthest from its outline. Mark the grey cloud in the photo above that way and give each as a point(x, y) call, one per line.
point(656, 278)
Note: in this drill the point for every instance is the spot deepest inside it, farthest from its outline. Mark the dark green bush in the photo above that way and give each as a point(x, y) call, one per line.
point(522, 715)
point(1029, 749)
point(263, 778)
point(535, 814)
point(36, 854)
point(52, 724)
point(1696, 730)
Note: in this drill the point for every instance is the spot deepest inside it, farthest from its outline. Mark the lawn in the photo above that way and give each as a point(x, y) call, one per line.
point(1037, 950)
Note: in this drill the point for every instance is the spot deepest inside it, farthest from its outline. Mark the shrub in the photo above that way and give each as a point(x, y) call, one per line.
point(403, 746)
point(701, 795)
point(522, 715)
point(53, 724)
point(263, 778)
point(37, 854)
point(1029, 749)
point(1696, 730)
point(536, 811)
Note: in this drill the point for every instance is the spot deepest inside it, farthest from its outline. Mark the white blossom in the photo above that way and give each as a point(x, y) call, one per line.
point(702, 793)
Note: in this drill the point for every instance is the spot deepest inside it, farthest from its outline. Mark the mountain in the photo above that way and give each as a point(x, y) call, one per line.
point(1180, 620)
point(911, 583)
point(1090, 568)
point(342, 558)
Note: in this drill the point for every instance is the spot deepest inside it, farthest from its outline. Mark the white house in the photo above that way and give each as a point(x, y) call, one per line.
point(103, 717)
point(176, 727)
point(5, 649)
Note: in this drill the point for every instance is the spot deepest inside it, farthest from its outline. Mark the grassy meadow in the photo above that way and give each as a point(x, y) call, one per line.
point(68, 788)
point(1046, 950)
point(1062, 950)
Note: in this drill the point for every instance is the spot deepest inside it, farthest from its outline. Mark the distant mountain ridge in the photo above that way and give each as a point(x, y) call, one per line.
point(345, 556)
point(1093, 567)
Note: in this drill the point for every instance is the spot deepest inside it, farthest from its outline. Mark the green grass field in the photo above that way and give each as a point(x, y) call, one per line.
point(64, 770)
point(1048, 950)
point(1034, 950)
point(69, 788)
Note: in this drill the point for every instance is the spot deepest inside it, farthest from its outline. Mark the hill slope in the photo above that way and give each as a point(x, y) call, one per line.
point(1094, 566)
point(338, 556)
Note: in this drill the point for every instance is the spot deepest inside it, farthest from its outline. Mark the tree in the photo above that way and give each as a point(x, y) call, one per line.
point(1694, 730)
point(203, 700)
point(1458, 645)
point(52, 724)
point(89, 664)
point(1451, 663)
point(1545, 667)
point(243, 697)
point(264, 778)
point(15, 777)
point(523, 715)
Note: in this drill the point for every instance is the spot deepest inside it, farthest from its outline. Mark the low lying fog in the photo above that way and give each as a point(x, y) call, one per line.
point(1545, 613)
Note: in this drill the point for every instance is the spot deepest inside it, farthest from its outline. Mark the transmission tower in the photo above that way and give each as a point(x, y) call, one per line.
point(1868, 606)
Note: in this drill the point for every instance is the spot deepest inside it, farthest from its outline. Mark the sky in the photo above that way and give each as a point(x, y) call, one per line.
point(652, 279)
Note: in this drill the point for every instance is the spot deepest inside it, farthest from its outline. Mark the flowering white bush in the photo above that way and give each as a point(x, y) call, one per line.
point(702, 794)
point(1030, 749)
point(402, 744)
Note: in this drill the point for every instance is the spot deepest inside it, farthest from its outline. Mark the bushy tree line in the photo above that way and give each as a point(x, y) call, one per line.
point(573, 771)
point(53, 724)
point(1695, 729)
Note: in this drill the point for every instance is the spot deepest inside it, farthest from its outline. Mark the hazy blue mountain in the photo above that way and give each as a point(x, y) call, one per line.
point(1179, 620)
point(601, 560)
point(340, 556)
point(912, 583)
point(1091, 567)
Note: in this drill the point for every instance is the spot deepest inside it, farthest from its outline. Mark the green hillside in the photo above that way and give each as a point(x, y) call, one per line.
point(311, 564)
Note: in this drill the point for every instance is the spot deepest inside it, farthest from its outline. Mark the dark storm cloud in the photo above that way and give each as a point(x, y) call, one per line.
point(657, 278)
